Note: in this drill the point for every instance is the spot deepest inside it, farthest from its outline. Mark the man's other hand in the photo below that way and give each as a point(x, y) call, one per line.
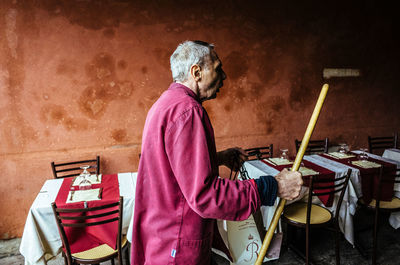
point(233, 158)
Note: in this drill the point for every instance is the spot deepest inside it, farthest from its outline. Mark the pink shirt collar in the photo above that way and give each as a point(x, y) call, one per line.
point(188, 91)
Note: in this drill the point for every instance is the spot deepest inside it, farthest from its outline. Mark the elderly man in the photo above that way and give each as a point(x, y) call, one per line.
point(179, 194)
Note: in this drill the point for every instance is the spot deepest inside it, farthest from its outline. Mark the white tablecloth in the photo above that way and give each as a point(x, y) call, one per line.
point(40, 239)
point(392, 153)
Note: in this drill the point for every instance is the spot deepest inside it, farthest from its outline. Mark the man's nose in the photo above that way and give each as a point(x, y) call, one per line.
point(223, 75)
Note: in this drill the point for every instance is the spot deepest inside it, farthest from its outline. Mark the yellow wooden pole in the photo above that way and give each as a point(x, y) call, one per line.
point(295, 167)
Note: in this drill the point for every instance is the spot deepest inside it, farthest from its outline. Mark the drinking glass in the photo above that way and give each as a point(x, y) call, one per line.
point(85, 184)
point(284, 154)
point(363, 154)
point(343, 148)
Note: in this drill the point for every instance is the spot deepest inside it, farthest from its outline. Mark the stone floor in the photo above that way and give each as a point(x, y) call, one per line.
point(322, 249)
point(323, 252)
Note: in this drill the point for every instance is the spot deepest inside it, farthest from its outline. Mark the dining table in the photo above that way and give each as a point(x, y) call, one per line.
point(362, 184)
point(391, 155)
point(257, 168)
point(41, 240)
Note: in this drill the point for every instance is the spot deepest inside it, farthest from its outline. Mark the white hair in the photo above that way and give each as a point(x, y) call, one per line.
point(187, 54)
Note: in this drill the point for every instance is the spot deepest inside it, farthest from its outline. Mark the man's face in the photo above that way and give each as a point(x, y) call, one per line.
point(212, 77)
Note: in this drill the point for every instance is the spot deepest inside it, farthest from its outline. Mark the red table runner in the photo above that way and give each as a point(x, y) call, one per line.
point(81, 239)
point(370, 178)
point(324, 173)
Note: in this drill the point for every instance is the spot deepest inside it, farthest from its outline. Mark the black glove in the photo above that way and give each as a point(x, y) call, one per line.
point(267, 189)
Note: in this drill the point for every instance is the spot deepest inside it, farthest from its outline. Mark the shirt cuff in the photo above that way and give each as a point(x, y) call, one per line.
point(267, 188)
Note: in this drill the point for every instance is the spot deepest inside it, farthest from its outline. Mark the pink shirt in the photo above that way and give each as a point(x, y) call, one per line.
point(178, 192)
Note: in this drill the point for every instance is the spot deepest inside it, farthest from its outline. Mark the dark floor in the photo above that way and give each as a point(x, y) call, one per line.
point(322, 247)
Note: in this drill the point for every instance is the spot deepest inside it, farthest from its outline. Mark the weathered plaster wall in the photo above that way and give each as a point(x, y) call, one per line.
point(78, 77)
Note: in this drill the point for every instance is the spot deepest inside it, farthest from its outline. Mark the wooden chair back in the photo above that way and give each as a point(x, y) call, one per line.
point(314, 146)
point(257, 153)
point(376, 145)
point(80, 217)
point(386, 176)
point(72, 169)
point(318, 187)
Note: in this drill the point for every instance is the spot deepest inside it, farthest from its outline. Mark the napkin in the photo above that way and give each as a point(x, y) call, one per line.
point(365, 164)
point(278, 161)
point(339, 155)
point(84, 195)
point(307, 171)
point(94, 179)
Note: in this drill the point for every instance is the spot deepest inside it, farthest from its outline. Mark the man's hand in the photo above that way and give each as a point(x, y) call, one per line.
point(289, 184)
point(233, 158)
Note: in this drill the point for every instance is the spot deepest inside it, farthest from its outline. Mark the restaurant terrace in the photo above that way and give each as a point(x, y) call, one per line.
point(305, 86)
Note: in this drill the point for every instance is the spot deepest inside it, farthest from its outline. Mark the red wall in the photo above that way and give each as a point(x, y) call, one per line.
point(78, 77)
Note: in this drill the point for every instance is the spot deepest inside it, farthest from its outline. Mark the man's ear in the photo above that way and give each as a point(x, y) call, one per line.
point(195, 72)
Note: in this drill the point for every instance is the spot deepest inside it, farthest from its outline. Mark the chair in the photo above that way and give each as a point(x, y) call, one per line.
point(78, 218)
point(307, 215)
point(258, 153)
point(381, 143)
point(72, 169)
point(378, 206)
point(314, 146)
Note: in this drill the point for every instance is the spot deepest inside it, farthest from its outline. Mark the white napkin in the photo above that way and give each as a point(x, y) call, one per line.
point(365, 164)
point(339, 155)
point(94, 179)
point(84, 195)
point(278, 161)
point(307, 171)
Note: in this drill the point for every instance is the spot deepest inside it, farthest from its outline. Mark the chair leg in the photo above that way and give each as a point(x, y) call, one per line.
point(294, 239)
point(375, 236)
point(361, 248)
point(127, 253)
point(295, 236)
point(120, 260)
point(337, 246)
point(307, 246)
point(289, 235)
point(65, 259)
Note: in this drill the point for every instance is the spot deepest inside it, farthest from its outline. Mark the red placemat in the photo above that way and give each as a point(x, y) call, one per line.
point(324, 173)
point(370, 178)
point(81, 239)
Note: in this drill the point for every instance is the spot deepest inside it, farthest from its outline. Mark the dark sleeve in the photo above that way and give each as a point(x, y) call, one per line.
point(267, 187)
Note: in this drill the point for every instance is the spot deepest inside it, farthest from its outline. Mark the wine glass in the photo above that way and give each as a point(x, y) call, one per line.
point(363, 156)
point(284, 154)
point(85, 184)
point(343, 148)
